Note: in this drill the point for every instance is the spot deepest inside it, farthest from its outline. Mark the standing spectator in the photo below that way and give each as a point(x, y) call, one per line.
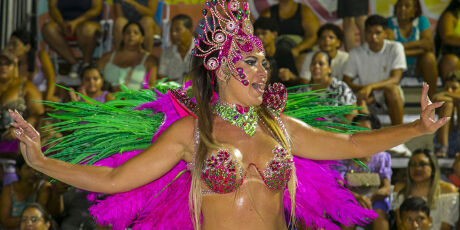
point(353, 12)
point(282, 63)
point(36, 217)
point(447, 39)
point(175, 59)
point(16, 196)
point(330, 39)
point(424, 181)
point(296, 21)
point(33, 67)
point(141, 11)
point(15, 94)
point(73, 20)
point(413, 30)
point(373, 70)
point(130, 64)
point(92, 86)
point(380, 163)
point(415, 214)
point(447, 142)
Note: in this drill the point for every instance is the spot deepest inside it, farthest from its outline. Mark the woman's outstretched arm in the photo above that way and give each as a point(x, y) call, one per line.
point(318, 144)
point(173, 145)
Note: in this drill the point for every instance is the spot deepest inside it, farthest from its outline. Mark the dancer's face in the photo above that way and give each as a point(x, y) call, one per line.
point(231, 89)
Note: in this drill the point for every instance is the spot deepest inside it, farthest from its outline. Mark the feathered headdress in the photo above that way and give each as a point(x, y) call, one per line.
point(228, 33)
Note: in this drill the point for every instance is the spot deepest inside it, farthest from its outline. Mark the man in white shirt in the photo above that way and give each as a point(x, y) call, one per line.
point(373, 70)
point(175, 59)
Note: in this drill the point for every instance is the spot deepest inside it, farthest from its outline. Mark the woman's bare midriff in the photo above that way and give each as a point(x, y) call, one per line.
point(253, 206)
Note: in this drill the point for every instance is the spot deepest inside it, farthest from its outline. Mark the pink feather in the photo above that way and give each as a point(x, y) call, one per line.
point(319, 192)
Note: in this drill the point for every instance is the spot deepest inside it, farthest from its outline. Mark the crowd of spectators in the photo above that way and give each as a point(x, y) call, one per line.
point(364, 71)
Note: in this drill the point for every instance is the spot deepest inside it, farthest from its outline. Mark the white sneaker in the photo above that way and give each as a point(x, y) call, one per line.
point(73, 73)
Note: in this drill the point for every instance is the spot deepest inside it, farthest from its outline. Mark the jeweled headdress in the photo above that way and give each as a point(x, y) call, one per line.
point(230, 35)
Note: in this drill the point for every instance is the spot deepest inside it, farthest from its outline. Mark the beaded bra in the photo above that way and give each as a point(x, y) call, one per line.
point(223, 174)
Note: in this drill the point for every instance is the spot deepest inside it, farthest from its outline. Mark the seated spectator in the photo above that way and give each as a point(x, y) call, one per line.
point(92, 84)
point(75, 214)
point(412, 29)
point(415, 214)
point(353, 12)
point(424, 181)
point(16, 196)
point(36, 217)
point(330, 39)
point(297, 23)
point(373, 70)
point(377, 198)
point(175, 59)
point(73, 20)
point(447, 142)
point(447, 39)
point(15, 94)
point(141, 11)
point(282, 63)
point(322, 81)
point(33, 66)
point(130, 64)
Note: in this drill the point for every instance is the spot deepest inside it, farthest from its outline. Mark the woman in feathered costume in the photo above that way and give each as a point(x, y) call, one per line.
point(233, 158)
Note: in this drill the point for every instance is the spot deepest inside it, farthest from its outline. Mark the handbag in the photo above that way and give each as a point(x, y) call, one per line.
point(362, 182)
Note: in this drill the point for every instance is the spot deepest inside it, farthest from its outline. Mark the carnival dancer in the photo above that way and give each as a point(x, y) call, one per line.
point(245, 161)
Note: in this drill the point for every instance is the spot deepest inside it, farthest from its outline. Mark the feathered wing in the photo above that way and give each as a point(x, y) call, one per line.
point(109, 134)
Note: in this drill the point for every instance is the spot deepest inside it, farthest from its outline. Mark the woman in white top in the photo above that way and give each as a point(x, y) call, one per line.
point(423, 180)
point(130, 64)
point(330, 39)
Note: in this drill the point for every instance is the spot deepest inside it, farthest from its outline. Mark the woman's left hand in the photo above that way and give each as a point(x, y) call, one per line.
point(427, 123)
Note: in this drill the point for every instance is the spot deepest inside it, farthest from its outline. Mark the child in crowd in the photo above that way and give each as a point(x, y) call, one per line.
point(415, 214)
point(92, 86)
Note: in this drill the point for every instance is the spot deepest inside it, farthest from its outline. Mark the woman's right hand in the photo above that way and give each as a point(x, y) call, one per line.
point(29, 138)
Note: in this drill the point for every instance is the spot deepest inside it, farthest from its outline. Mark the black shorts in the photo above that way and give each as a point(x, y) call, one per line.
point(352, 8)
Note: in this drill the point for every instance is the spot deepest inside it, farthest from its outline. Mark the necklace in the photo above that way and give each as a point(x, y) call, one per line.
point(243, 117)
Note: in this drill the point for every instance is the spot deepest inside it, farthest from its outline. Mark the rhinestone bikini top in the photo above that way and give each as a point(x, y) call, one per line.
point(223, 174)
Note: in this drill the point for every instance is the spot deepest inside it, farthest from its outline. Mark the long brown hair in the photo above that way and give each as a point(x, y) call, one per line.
point(434, 191)
point(203, 87)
